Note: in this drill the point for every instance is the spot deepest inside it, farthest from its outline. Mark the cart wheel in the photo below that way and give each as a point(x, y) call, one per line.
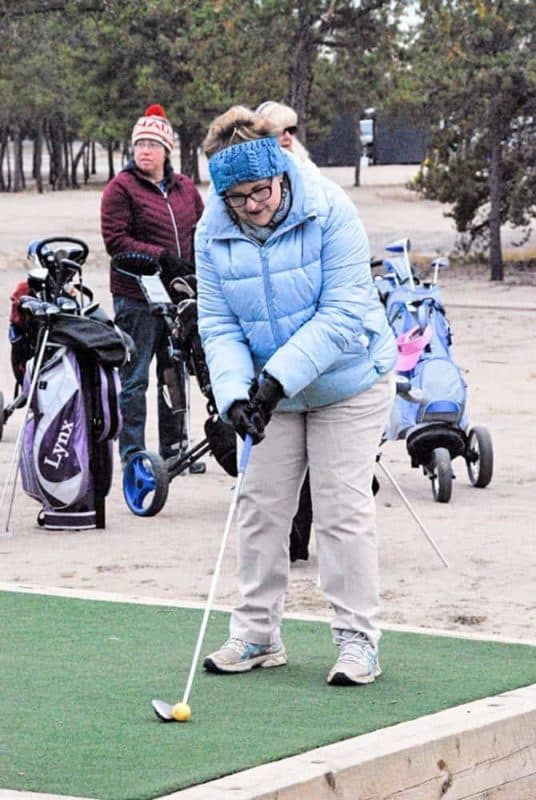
point(145, 483)
point(1, 415)
point(441, 475)
point(479, 456)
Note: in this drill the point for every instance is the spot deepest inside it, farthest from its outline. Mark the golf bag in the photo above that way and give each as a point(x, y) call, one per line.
point(69, 389)
point(66, 459)
point(424, 339)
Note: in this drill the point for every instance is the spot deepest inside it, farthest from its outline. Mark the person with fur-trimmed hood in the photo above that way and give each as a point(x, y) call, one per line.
point(300, 356)
point(149, 208)
point(285, 121)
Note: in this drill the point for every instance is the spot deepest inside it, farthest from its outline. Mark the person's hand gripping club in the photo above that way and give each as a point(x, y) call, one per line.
point(250, 417)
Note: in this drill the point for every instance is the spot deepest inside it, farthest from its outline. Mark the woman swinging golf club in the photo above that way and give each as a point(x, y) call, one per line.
point(295, 336)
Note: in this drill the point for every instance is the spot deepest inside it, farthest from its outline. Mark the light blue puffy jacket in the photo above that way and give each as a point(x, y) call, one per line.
point(302, 306)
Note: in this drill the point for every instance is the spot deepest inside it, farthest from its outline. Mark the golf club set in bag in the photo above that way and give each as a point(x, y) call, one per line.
point(65, 357)
point(429, 412)
point(146, 475)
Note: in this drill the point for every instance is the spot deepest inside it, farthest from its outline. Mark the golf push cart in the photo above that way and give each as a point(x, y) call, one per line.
point(146, 475)
point(430, 415)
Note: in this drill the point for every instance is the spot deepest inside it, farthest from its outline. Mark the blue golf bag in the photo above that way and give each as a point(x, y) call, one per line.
point(430, 414)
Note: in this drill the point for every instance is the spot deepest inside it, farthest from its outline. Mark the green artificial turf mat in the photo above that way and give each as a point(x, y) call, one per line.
point(78, 677)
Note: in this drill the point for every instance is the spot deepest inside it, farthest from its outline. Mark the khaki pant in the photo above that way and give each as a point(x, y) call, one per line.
point(339, 444)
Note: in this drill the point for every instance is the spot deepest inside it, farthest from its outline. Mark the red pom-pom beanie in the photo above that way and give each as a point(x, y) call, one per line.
point(155, 126)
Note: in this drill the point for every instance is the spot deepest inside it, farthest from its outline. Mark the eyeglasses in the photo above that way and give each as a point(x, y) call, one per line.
point(257, 195)
point(292, 129)
point(147, 144)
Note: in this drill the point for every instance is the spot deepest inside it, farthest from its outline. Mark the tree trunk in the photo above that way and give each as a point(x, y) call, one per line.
point(75, 162)
point(7, 159)
point(46, 138)
point(85, 162)
point(57, 146)
point(110, 152)
point(495, 197)
point(301, 69)
point(37, 157)
point(187, 156)
point(93, 158)
point(196, 177)
point(68, 153)
point(18, 174)
point(3, 154)
point(126, 152)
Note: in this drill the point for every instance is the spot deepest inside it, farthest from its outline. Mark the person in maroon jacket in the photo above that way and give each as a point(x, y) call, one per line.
point(148, 208)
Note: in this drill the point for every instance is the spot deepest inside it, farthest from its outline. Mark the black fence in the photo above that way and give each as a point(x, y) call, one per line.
point(397, 140)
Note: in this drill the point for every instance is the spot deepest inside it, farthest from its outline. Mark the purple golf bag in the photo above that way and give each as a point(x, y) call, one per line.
point(66, 460)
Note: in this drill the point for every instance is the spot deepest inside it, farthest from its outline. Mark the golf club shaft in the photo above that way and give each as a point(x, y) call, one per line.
point(236, 492)
point(408, 265)
point(413, 514)
point(18, 444)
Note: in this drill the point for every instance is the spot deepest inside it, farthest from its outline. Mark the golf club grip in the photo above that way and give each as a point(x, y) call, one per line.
point(244, 455)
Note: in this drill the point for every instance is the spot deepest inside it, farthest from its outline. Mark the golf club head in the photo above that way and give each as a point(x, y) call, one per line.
point(78, 255)
point(29, 303)
point(183, 286)
point(400, 246)
point(67, 305)
point(38, 308)
point(36, 278)
point(440, 263)
point(90, 309)
point(50, 309)
point(163, 710)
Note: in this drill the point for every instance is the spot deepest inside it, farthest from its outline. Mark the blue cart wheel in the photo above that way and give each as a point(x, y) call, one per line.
point(145, 483)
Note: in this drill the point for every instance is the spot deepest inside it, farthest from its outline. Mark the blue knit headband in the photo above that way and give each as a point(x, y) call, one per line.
point(247, 161)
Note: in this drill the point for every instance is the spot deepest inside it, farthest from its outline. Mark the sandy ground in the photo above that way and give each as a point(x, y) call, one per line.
point(486, 535)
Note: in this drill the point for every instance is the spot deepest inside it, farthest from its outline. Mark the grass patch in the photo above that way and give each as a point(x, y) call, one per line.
point(78, 677)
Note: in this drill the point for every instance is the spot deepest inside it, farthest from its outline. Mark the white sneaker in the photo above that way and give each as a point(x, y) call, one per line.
point(236, 655)
point(357, 662)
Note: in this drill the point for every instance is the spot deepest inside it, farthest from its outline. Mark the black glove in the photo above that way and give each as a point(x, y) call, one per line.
point(264, 396)
point(245, 422)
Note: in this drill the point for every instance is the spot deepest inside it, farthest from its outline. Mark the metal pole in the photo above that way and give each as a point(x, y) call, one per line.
point(413, 514)
point(18, 444)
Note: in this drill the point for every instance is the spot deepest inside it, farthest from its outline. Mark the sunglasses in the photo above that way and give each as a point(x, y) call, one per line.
point(292, 129)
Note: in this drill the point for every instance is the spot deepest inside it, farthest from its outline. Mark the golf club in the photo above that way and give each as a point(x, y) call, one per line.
point(163, 710)
point(13, 466)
